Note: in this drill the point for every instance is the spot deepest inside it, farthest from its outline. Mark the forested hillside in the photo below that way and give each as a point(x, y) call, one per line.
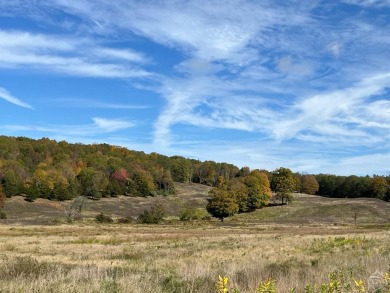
point(59, 171)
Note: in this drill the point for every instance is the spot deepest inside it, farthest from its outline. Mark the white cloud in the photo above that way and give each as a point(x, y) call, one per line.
point(294, 72)
point(127, 55)
point(228, 60)
point(204, 29)
point(311, 113)
point(99, 126)
point(4, 94)
point(90, 103)
point(110, 125)
point(67, 55)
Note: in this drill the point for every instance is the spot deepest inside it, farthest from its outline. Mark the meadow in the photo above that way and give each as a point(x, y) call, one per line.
point(296, 245)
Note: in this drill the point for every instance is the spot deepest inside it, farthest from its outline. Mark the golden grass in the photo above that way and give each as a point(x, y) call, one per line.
point(183, 258)
point(296, 244)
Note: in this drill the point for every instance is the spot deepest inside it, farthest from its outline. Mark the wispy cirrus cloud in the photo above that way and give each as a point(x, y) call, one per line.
point(299, 77)
point(68, 55)
point(311, 113)
point(99, 125)
point(5, 95)
point(91, 103)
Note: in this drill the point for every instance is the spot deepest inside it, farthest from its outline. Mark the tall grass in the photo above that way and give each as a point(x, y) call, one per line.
point(184, 258)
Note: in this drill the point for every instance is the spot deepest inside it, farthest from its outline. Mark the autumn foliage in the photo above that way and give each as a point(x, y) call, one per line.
point(242, 194)
point(54, 170)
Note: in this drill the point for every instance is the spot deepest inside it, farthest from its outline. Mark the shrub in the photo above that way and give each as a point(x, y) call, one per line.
point(102, 218)
point(31, 197)
point(3, 215)
point(191, 214)
point(188, 214)
point(73, 212)
point(152, 216)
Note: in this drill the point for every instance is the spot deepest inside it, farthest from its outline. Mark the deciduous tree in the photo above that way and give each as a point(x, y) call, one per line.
point(143, 183)
point(283, 183)
point(221, 204)
point(379, 187)
point(239, 191)
point(309, 184)
point(93, 183)
point(259, 191)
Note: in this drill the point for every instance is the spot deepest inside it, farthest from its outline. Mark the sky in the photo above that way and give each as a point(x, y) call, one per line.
point(265, 84)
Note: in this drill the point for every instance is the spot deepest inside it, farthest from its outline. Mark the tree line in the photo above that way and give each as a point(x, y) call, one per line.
point(354, 186)
point(54, 170)
point(60, 171)
point(251, 190)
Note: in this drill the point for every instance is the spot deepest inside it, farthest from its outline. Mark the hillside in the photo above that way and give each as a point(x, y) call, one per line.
point(306, 209)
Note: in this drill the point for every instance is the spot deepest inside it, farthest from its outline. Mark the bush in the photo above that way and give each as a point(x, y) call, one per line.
point(191, 214)
point(102, 218)
point(3, 215)
point(73, 212)
point(31, 197)
point(152, 216)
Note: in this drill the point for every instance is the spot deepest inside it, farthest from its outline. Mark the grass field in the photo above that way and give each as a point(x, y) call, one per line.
point(296, 245)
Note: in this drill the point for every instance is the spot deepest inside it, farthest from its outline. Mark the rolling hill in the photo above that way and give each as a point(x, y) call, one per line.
point(305, 209)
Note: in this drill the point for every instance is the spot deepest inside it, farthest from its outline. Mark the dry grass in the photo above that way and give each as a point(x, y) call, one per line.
point(296, 245)
point(43, 212)
point(182, 258)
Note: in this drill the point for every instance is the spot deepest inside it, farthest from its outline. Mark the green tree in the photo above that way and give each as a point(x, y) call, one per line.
point(221, 204)
point(309, 184)
point(329, 185)
point(244, 171)
point(354, 186)
point(142, 184)
point(208, 173)
point(163, 180)
point(12, 184)
point(181, 169)
point(93, 183)
point(283, 183)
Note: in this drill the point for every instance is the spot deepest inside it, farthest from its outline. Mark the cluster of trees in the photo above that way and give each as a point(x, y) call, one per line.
point(354, 186)
point(252, 190)
point(59, 170)
point(249, 191)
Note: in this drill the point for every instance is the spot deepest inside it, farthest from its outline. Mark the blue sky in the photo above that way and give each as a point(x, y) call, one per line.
point(264, 84)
